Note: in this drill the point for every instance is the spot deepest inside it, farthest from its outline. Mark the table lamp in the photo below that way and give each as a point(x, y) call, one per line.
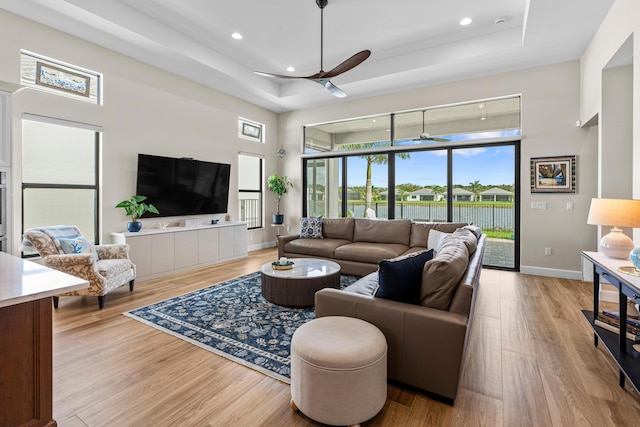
point(615, 213)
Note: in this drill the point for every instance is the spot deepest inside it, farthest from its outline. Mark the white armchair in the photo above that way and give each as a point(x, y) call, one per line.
point(105, 267)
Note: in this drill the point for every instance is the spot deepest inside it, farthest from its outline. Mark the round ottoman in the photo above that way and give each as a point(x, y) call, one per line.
point(338, 370)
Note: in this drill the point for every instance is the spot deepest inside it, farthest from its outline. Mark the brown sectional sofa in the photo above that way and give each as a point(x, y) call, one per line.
point(426, 344)
point(358, 244)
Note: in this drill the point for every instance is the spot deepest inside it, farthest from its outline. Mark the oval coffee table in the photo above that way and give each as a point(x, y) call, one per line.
point(297, 286)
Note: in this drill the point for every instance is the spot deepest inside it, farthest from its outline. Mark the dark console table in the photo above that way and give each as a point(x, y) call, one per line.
point(620, 348)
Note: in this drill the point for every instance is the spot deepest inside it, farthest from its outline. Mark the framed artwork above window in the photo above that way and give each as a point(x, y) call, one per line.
point(57, 78)
point(250, 130)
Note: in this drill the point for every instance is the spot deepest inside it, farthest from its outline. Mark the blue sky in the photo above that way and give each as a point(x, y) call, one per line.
point(489, 165)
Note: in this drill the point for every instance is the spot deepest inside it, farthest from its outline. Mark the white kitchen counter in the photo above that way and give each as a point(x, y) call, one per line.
point(22, 281)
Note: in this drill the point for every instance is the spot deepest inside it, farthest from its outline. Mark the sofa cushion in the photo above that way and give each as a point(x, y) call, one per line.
point(441, 275)
point(323, 248)
point(311, 228)
point(420, 231)
point(78, 245)
point(369, 252)
point(382, 231)
point(399, 279)
point(364, 286)
point(435, 239)
point(474, 229)
point(468, 237)
point(338, 228)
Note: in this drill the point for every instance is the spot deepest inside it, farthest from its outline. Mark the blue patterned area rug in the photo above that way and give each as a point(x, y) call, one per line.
point(233, 320)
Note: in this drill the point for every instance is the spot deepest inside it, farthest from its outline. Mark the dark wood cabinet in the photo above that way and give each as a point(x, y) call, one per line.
point(26, 341)
point(26, 364)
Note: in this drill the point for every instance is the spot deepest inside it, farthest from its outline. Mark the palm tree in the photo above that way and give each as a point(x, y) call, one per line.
point(437, 190)
point(372, 159)
point(475, 187)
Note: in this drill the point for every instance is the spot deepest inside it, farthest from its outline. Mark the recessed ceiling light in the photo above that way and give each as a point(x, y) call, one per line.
point(290, 69)
point(236, 36)
point(466, 21)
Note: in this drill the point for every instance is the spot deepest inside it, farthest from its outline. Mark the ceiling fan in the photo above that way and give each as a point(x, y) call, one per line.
point(322, 77)
point(424, 136)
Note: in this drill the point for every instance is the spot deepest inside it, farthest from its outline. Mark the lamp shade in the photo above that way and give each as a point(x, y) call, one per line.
point(614, 212)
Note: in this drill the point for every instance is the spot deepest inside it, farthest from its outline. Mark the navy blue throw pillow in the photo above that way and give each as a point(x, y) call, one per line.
point(400, 279)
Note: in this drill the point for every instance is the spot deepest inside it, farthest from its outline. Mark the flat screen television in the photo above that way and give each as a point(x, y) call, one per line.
point(183, 186)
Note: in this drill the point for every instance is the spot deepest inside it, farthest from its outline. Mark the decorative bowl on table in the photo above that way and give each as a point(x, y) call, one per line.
point(282, 265)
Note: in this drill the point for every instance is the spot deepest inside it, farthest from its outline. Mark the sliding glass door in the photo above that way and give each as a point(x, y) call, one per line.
point(474, 184)
point(484, 194)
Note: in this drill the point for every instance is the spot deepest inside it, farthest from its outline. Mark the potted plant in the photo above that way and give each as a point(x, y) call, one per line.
point(278, 184)
point(135, 208)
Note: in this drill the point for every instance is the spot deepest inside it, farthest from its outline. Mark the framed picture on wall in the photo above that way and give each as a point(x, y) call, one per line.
point(250, 130)
point(60, 79)
point(553, 174)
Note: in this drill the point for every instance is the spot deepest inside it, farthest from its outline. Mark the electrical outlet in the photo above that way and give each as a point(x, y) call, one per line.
point(547, 251)
point(569, 206)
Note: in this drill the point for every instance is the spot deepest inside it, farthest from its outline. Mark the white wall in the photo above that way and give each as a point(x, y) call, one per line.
point(621, 23)
point(550, 109)
point(145, 111)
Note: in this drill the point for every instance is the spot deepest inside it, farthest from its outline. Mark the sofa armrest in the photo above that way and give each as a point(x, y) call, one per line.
point(284, 239)
point(426, 345)
point(113, 251)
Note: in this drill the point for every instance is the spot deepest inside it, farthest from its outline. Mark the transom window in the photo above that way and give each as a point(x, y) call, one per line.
point(432, 126)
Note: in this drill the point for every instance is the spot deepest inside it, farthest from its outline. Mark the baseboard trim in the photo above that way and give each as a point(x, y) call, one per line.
point(609, 296)
point(551, 272)
point(261, 246)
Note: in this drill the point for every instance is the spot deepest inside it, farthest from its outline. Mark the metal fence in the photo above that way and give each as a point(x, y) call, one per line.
point(488, 216)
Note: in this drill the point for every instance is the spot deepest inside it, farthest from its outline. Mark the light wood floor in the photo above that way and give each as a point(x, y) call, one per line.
point(530, 362)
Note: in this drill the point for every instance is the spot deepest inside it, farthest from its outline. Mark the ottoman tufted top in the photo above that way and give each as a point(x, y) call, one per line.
point(338, 343)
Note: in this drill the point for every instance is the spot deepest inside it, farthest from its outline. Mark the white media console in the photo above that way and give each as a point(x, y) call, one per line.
point(158, 252)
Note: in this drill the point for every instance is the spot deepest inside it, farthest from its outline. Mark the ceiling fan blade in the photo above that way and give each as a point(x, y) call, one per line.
point(350, 63)
point(279, 76)
point(430, 138)
point(331, 87)
point(323, 77)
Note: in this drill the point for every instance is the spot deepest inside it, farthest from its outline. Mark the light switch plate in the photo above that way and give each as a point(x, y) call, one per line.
point(538, 205)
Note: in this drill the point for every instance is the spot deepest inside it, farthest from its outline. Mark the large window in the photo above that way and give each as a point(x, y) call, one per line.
point(421, 185)
point(454, 163)
point(250, 188)
point(60, 175)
